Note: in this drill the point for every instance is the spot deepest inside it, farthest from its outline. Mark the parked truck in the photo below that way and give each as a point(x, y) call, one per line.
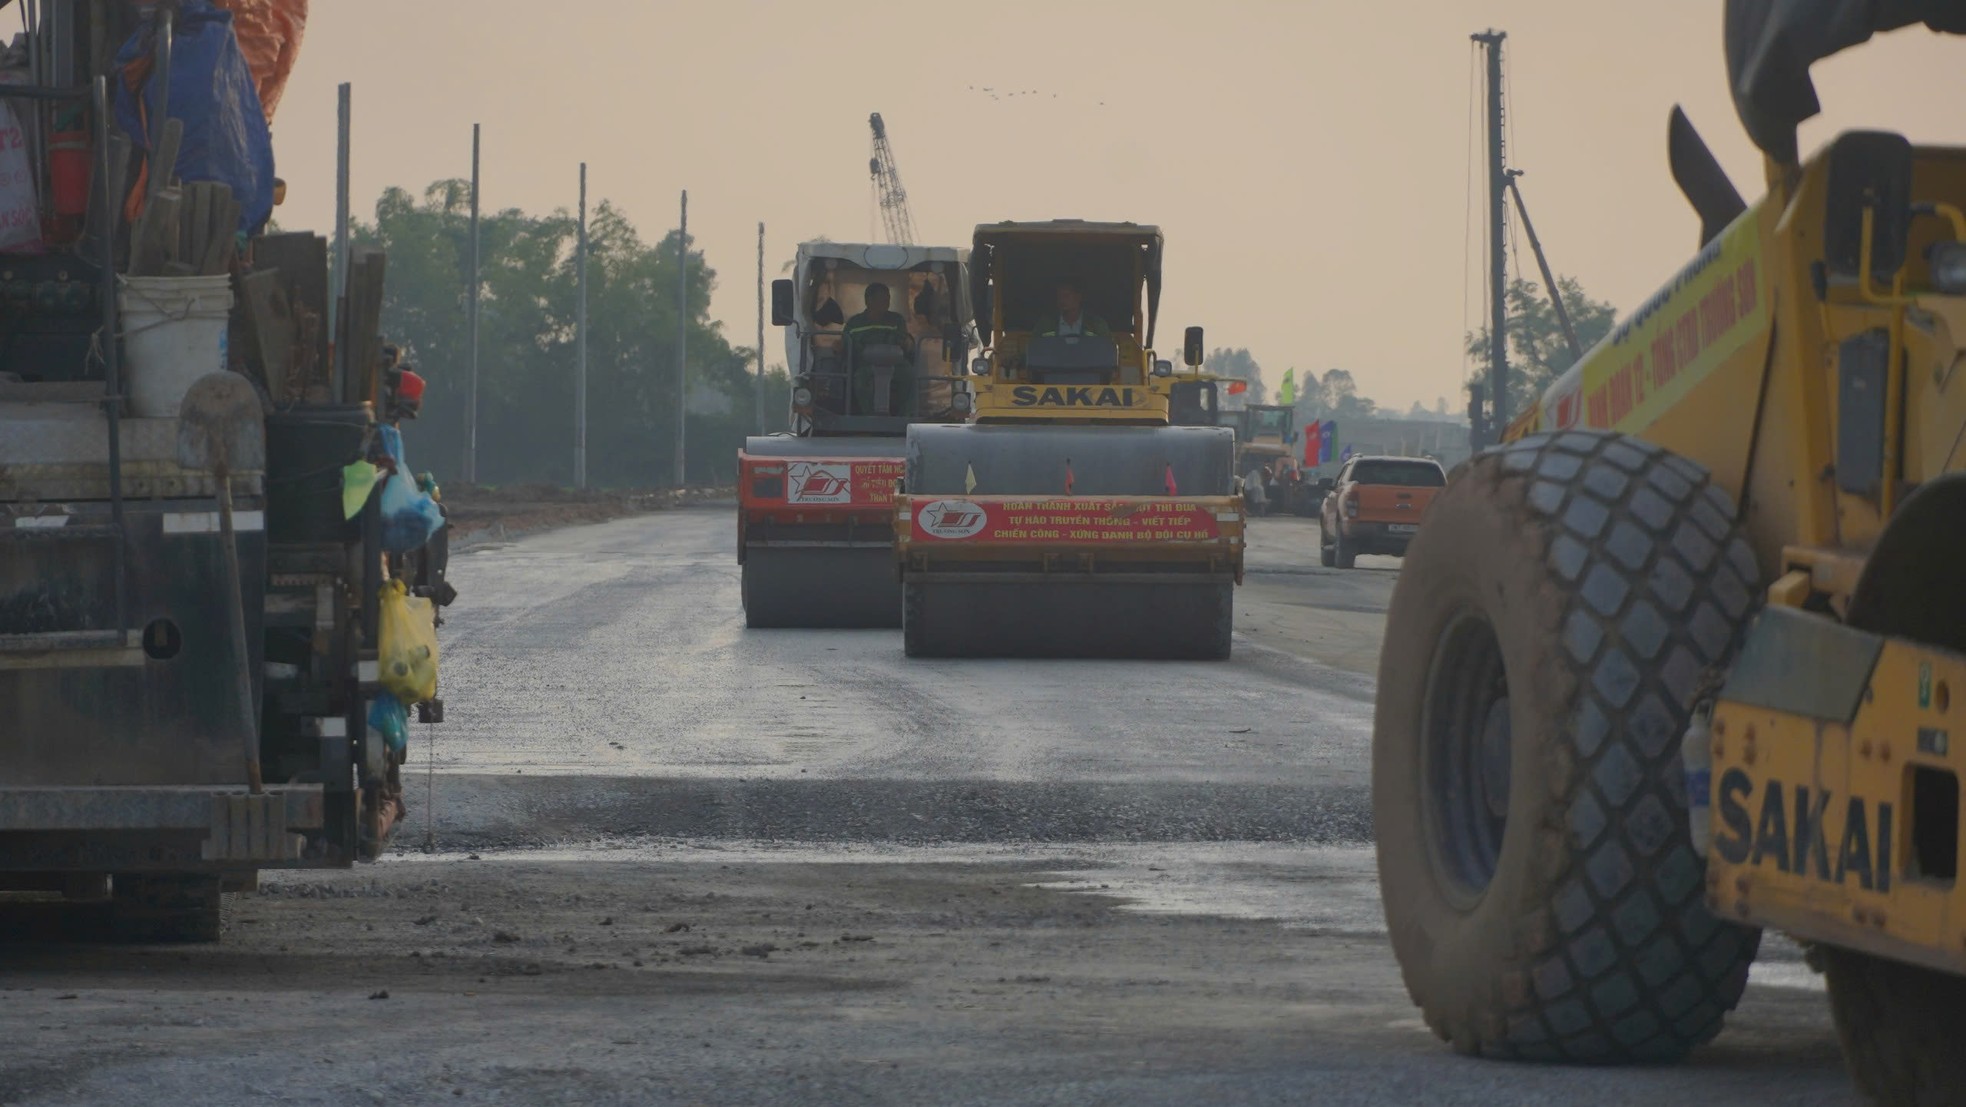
point(195, 564)
point(1673, 665)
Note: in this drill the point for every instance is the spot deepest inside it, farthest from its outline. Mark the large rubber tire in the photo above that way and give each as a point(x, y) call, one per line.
point(1326, 556)
point(1342, 551)
point(1077, 617)
point(150, 908)
point(1541, 889)
point(827, 588)
point(1900, 1028)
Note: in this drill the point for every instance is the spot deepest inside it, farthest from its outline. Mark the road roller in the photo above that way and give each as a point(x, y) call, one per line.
point(871, 332)
point(1090, 507)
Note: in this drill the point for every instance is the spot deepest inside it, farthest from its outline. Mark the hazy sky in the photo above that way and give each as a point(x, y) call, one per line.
point(1307, 160)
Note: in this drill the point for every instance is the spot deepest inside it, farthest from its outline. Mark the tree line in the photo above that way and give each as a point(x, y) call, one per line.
point(526, 344)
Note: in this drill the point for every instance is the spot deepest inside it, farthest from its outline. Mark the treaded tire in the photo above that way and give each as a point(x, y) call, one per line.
point(1610, 575)
point(914, 640)
point(150, 908)
point(1343, 554)
point(1900, 1028)
point(1326, 556)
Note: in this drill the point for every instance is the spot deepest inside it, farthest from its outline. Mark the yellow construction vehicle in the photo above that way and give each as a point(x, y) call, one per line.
point(1091, 508)
point(1674, 663)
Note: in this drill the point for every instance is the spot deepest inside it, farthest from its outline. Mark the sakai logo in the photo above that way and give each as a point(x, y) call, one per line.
point(812, 482)
point(1030, 395)
point(1814, 835)
point(952, 519)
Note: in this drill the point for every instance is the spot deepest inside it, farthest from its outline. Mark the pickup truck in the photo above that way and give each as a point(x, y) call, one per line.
point(1375, 506)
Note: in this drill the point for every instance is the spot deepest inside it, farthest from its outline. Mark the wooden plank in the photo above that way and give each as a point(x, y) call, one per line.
point(217, 257)
point(269, 329)
point(153, 243)
point(163, 165)
point(302, 260)
point(366, 266)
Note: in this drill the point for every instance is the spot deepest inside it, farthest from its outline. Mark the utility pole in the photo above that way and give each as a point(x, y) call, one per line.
point(1498, 276)
point(682, 340)
point(471, 382)
point(760, 390)
point(338, 287)
point(580, 344)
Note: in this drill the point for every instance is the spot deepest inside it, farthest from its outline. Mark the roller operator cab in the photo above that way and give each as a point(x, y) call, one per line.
point(1676, 662)
point(873, 335)
point(1091, 507)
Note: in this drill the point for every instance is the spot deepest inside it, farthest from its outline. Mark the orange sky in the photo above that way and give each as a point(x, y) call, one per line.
point(1307, 159)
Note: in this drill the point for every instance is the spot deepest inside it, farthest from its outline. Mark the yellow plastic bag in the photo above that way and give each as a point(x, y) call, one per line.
point(409, 644)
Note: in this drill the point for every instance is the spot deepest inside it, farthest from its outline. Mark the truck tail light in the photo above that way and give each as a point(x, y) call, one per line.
point(1351, 504)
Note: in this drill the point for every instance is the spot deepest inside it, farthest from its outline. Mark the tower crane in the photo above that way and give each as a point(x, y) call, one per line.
point(887, 185)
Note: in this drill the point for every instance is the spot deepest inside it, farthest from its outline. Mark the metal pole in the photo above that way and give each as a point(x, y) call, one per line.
point(338, 286)
point(682, 340)
point(1498, 276)
point(760, 390)
point(580, 345)
point(471, 383)
point(1543, 264)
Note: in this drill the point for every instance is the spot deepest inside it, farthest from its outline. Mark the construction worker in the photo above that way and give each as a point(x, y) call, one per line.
point(1254, 494)
point(877, 326)
point(1071, 317)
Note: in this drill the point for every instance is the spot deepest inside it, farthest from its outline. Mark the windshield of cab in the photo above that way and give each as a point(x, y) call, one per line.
point(1107, 275)
point(1270, 422)
point(837, 291)
point(1411, 474)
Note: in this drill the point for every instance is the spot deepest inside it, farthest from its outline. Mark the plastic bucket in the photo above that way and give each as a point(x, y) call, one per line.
point(173, 333)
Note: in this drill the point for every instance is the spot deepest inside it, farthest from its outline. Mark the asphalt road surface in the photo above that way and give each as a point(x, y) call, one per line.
point(674, 861)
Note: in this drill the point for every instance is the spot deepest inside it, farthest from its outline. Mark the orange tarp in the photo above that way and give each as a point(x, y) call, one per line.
point(269, 33)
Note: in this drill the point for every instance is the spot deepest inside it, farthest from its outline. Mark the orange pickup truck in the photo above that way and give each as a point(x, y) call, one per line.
point(1375, 506)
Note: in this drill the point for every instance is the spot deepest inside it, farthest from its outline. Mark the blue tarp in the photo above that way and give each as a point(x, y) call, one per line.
point(213, 95)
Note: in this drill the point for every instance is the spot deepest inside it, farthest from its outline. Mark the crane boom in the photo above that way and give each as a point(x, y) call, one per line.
point(899, 222)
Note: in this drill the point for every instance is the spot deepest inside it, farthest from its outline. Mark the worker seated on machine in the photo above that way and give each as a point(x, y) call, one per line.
point(878, 346)
point(1071, 345)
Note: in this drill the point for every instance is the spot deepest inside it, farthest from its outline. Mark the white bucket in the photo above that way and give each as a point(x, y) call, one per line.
point(173, 333)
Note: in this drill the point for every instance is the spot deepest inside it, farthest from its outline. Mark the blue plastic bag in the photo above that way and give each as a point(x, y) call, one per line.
point(389, 718)
point(212, 93)
point(410, 517)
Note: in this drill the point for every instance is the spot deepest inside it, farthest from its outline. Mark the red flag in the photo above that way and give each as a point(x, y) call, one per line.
point(1171, 489)
point(1068, 476)
point(1237, 388)
point(1313, 444)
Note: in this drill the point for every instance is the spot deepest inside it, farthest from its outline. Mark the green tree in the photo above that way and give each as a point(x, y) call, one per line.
point(527, 344)
point(1538, 351)
point(1239, 365)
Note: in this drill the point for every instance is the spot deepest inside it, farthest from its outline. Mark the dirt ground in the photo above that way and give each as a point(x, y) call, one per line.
point(480, 513)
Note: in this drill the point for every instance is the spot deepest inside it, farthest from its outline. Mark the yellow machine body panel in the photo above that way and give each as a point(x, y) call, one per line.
point(1822, 395)
point(1841, 822)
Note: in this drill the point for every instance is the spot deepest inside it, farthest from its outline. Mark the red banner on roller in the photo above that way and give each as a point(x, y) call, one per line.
point(816, 482)
point(1063, 521)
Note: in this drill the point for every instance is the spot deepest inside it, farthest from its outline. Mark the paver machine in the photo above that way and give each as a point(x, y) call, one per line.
point(1675, 662)
point(1090, 509)
point(814, 533)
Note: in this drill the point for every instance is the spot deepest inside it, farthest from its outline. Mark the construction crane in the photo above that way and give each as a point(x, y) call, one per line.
point(887, 186)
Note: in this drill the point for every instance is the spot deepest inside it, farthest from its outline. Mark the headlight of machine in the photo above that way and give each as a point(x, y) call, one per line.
point(1947, 261)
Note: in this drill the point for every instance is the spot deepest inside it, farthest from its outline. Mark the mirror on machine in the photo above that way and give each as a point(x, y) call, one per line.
point(1869, 174)
point(782, 303)
point(1191, 348)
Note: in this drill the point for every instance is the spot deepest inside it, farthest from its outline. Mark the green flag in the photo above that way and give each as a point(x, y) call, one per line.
point(1288, 394)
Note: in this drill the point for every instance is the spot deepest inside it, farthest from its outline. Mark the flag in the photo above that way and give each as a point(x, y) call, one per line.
point(1172, 489)
point(1237, 388)
point(969, 479)
point(1287, 395)
point(1348, 454)
point(1329, 441)
point(1313, 445)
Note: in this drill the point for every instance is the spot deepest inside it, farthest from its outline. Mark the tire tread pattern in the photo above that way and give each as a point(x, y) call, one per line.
point(1626, 963)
